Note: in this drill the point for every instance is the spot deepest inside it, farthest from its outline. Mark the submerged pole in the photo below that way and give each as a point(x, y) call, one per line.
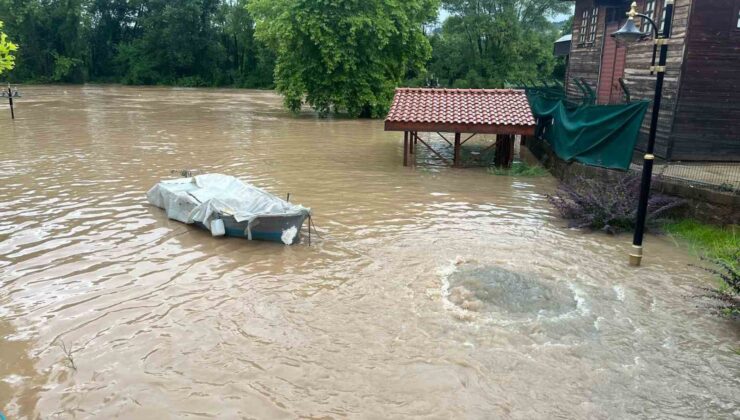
point(405, 148)
point(456, 160)
point(10, 101)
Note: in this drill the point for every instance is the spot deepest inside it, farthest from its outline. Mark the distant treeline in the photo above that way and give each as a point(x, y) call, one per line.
point(183, 42)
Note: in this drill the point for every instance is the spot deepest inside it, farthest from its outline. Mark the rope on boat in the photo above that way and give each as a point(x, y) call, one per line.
point(312, 224)
point(315, 228)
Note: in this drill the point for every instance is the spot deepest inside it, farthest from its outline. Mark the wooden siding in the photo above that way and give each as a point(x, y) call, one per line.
point(642, 84)
point(612, 69)
point(707, 123)
point(585, 59)
point(585, 62)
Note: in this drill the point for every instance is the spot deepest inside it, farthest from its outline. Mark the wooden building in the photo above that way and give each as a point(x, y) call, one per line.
point(700, 112)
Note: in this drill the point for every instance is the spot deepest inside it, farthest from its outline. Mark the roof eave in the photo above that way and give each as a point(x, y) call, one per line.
point(427, 127)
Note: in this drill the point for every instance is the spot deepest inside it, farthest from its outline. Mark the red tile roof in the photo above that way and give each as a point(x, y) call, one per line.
point(468, 110)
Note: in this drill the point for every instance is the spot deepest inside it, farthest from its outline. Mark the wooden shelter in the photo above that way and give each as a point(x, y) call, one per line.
point(700, 111)
point(504, 112)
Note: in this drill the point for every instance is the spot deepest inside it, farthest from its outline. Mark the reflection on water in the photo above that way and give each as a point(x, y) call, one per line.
point(164, 320)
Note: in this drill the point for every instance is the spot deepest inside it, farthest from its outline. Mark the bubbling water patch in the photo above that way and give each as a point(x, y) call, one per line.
point(473, 290)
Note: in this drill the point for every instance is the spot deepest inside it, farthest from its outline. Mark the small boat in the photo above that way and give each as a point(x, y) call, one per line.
point(227, 206)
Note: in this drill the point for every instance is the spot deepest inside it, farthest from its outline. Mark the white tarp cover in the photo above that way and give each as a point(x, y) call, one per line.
point(203, 197)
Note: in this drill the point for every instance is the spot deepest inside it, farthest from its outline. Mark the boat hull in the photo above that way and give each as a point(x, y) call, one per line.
point(265, 228)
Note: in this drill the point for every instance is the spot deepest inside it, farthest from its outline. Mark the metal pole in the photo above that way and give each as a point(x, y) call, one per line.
point(10, 101)
point(647, 168)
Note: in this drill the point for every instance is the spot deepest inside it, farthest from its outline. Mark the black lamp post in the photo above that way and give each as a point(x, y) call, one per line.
point(630, 33)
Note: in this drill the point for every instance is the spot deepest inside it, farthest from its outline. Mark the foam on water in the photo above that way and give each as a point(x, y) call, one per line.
point(473, 291)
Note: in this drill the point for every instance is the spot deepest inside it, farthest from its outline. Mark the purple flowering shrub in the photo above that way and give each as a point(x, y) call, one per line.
point(608, 206)
point(726, 297)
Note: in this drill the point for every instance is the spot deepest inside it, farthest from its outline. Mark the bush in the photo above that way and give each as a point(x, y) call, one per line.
point(608, 206)
point(725, 297)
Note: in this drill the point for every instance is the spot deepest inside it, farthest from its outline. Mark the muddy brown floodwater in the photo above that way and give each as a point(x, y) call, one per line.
point(433, 292)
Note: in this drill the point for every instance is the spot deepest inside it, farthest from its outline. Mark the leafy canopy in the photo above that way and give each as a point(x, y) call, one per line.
point(344, 55)
point(7, 59)
point(184, 42)
point(485, 43)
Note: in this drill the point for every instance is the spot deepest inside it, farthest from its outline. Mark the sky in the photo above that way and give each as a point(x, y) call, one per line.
point(443, 14)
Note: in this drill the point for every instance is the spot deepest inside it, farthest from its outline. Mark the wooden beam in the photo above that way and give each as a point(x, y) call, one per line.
point(444, 138)
point(524, 130)
point(432, 150)
point(471, 136)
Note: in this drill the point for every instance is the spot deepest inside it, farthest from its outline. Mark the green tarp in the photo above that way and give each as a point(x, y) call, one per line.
point(598, 135)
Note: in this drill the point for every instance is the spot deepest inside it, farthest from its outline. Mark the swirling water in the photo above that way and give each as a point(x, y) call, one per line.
point(109, 309)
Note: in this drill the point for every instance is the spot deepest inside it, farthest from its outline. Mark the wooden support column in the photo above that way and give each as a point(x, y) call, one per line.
point(456, 160)
point(504, 151)
point(405, 148)
point(412, 142)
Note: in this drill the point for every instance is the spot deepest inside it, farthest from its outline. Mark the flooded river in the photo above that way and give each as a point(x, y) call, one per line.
point(432, 292)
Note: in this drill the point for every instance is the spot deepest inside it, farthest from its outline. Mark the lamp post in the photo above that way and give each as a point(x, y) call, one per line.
point(630, 33)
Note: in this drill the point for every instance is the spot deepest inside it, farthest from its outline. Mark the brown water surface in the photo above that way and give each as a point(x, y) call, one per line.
point(433, 292)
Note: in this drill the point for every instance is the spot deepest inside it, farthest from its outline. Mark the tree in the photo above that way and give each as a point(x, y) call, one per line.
point(177, 45)
point(344, 55)
point(249, 62)
point(485, 43)
point(7, 59)
point(52, 35)
point(188, 42)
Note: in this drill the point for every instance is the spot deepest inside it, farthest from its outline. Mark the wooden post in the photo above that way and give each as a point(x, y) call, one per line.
point(405, 148)
point(456, 160)
point(412, 142)
point(504, 151)
point(10, 101)
point(510, 150)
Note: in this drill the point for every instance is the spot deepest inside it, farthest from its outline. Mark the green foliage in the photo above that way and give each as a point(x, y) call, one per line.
point(7, 48)
point(567, 27)
point(520, 169)
point(344, 55)
point(63, 67)
point(188, 42)
point(485, 43)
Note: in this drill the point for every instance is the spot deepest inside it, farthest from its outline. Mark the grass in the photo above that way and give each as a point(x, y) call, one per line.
point(520, 169)
point(712, 242)
point(721, 246)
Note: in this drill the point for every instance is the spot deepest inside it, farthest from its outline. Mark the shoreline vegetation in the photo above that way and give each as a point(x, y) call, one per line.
point(336, 57)
point(708, 241)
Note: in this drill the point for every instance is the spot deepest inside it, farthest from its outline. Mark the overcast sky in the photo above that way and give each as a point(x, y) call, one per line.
point(443, 14)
